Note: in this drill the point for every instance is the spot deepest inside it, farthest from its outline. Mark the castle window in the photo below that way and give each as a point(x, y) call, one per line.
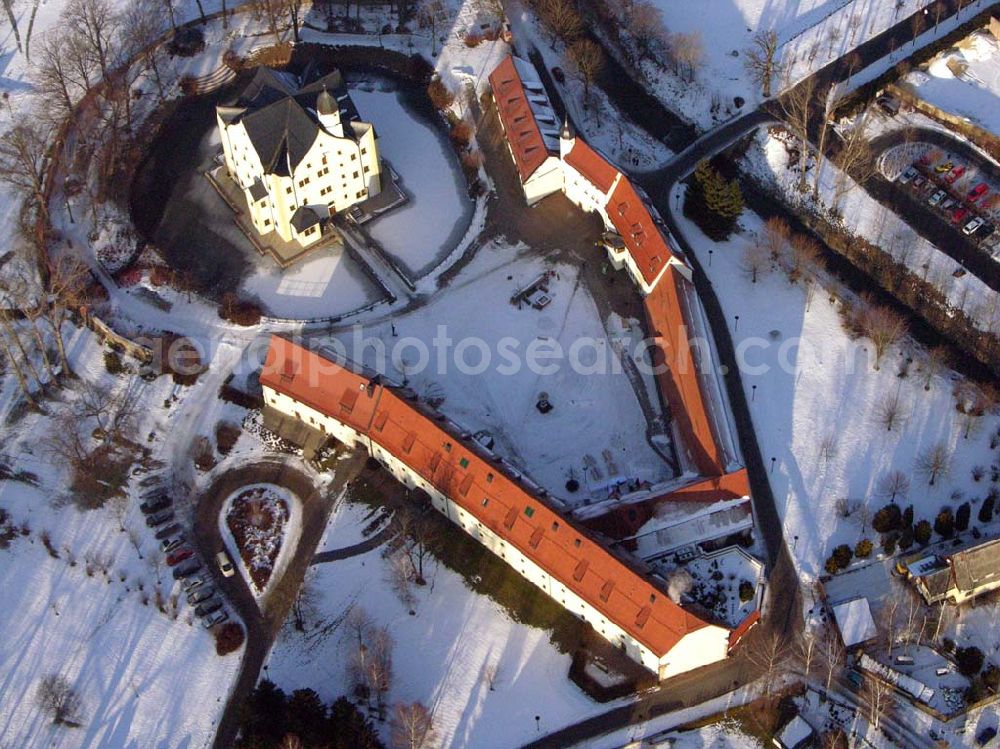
point(489, 478)
point(364, 151)
point(324, 159)
point(464, 462)
point(354, 157)
point(529, 511)
point(486, 501)
point(355, 175)
point(288, 190)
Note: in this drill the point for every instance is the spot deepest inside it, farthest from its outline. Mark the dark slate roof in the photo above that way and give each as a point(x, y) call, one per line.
point(278, 110)
point(257, 190)
point(303, 218)
point(937, 583)
point(977, 566)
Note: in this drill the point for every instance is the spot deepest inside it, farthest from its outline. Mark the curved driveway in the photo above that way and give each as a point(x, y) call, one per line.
point(262, 626)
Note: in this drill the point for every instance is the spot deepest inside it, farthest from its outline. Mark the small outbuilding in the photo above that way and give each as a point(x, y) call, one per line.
point(855, 622)
point(797, 734)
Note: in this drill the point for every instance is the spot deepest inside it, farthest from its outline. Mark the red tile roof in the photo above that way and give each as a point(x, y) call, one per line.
point(680, 380)
point(642, 237)
point(592, 165)
point(492, 497)
point(523, 134)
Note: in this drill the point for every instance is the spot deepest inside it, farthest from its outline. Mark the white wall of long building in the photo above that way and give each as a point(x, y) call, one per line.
point(701, 647)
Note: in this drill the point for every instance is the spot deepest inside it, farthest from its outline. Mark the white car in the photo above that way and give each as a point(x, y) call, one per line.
point(908, 174)
point(936, 197)
point(973, 226)
point(225, 564)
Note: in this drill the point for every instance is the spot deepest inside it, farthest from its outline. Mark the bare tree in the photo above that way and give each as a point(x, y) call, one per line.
point(23, 154)
point(412, 727)
point(936, 363)
point(143, 23)
point(797, 105)
point(587, 59)
point(417, 533)
point(833, 35)
point(854, 24)
point(853, 63)
point(877, 700)
point(15, 363)
point(57, 697)
point(803, 257)
point(973, 401)
point(561, 19)
point(855, 160)
point(755, 261)
point(889, 412)
point(294, 10)
point(96, 24)
point(491, 674)
point(828, 447)
point(761, 60)
point(884, 327)
point(378, 666)
point(60, 74)
point(894, 485)
point(290, 741)
point(271, 13)
point(645, 22)
point(806, 648)
point(775, 236)
point(400, 577)
point(688, 54)
point(917, 26)
point(770, 654)
point(832, 655)
point(67, 281)
point(934, 462)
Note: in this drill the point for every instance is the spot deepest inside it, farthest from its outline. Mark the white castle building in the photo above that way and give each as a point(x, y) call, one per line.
point(298, 149)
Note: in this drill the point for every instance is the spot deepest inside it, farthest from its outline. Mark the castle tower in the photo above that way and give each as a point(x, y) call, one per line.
point(567, 138)
point(329, 113)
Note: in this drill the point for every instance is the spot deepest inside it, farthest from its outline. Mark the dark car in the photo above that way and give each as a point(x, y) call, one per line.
point(200, 593)
point(193, 583)
point(155, 503)
point(559, 75)
point(179, 556)
point(212, 619)
point(186, 568)
point(168, 531)
point(986, 736)
point(159, 518)
point(169, 544)
point(208, 607)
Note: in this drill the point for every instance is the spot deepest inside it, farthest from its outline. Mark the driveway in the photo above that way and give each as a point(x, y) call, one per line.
point(262, 626)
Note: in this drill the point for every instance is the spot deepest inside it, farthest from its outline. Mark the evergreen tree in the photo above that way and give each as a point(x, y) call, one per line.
point(713, 202)
point(263, 721)
point(962, 516)
point(922, 532)
point(307, 717)
point(349, 729)
point(908, 515)
point(944, 524)
point(986, 510)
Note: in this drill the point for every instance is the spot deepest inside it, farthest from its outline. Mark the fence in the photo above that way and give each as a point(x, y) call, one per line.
point(106, 334)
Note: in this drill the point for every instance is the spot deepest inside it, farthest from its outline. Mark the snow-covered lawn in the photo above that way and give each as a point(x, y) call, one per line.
point(964, 81)
point(441, 653)
point(420, 233)
point(768, 159)
point(817, 389)
point(810, 33)
point(483, 378)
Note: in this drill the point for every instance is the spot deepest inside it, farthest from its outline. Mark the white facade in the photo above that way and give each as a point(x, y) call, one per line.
point(544, 181)
point(698, 648)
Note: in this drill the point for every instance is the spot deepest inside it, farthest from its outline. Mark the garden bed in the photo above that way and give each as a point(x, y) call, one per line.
point(258, 519)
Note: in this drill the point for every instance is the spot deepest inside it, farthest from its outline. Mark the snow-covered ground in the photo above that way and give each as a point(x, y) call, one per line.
point(814, 386)
point(597, 419)
point(768, 159)
point(441, 653)
point(811, 33)
point(964, 81)
point(420, 233)
point(146, 676)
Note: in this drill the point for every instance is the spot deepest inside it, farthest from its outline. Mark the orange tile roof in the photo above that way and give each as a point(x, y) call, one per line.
point(492, 497)
point(523, 134)
point(680, 382)
point(594, 167)
point(643, 238)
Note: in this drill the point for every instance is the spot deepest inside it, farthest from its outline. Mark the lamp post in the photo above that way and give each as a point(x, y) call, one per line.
point(737, 322)
point(753, 393)
point(710, 258)
point(773, 461)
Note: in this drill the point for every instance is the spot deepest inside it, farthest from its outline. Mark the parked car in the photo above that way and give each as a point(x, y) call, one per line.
point(179, 556)
point(217, 618)
point(855, 679)
point(937, 197)
point(958, 215)
point(199, 594)
point(159, 518)
point(908, 174)
point(986, 230)
point(155, 503)
point(947, 204)
point(986, 736)
point(973, 226)
point(167, 531)
point(919, 182)
point(946, 166)
point(208, 607)
point(955, 173)
point(192, 583)
point(169, 544)
point(186, 568)
point(928, 187)
point(977, 192)
point(225, 564)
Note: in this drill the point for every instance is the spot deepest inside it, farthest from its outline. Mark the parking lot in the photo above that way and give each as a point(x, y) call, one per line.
point(954, 191)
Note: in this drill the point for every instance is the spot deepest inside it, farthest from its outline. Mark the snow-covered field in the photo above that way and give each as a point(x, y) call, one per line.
point(420, 233)
point(597, 418)
point(811, 33)
point(106, 614)
point(964, 81)
point(441, 653)
point(816, 386)
point(767, 158)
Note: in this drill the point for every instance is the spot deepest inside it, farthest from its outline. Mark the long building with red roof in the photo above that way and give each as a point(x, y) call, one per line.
point(493, 504)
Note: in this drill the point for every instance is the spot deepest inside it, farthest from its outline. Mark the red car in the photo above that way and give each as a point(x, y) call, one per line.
point(179, 556)
point(958, 214)
point(977, 192)
point(957, 172)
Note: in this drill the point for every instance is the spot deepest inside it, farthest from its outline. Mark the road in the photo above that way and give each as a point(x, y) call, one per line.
point(262, 626)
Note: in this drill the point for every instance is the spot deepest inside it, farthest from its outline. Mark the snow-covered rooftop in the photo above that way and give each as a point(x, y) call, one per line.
point(855, 622)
